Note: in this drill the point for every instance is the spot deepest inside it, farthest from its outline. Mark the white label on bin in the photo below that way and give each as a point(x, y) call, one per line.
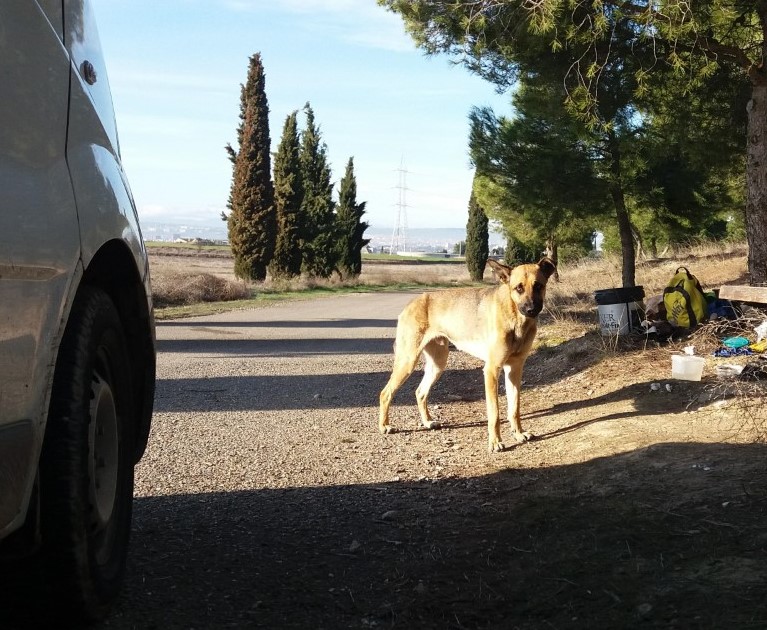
point(614, 318)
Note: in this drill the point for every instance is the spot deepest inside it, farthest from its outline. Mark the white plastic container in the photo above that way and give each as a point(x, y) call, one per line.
point(687, 368)
point(619, 310)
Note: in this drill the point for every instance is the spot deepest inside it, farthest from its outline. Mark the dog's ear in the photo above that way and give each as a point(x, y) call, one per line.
point(547, 267)
point(503, 272)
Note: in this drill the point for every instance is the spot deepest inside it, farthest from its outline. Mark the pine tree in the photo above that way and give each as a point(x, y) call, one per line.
point(318, 237)
point(351, 228)
point(252, 220)
point(477, 248)
point(288, 195)
point(632, 41)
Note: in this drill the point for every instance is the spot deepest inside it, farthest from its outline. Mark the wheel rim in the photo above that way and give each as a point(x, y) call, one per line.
point(104, 452)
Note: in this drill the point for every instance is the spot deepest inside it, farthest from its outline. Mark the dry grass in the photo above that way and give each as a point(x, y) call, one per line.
point(187, 279)
point(573, 297)
point(176, 289)
point(422, 273)
point(569, 301)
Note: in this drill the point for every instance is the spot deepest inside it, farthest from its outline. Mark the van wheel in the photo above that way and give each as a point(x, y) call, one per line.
point(86, 467)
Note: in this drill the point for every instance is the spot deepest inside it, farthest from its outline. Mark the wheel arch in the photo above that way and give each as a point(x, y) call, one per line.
point(113, 268)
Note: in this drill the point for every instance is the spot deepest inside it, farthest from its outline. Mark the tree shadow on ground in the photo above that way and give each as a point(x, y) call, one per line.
point(305, 391)
point(551, 363)
point(684, 397)
point(256, 348)
point(390, 324)
point(670, 536)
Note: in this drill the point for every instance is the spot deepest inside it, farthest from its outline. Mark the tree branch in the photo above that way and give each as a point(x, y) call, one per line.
point(730, 53)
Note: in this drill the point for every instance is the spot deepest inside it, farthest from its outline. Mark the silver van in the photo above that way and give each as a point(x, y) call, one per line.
point(77, 341)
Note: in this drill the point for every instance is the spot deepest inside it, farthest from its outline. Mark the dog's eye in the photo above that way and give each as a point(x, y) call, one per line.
point(520, 288)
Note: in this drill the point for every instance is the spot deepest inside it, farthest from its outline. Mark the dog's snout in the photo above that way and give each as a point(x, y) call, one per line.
point(531, 309)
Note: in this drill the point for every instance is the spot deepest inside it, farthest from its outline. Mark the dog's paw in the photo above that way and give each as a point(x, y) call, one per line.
point(432, 424)
point(496, 447)
point(523, 437)
point(386, 430)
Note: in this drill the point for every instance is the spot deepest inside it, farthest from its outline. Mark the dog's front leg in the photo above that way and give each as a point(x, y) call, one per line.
point(494, 444)
point(513, 379)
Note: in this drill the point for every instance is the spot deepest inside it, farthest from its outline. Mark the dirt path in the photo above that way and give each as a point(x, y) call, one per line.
point(267, 499)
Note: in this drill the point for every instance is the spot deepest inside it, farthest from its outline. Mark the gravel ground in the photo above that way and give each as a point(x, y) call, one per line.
point(264, 439)
point(267, 498)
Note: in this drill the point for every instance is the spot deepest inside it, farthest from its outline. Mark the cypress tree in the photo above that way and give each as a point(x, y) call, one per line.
point(351, 228)
point(318, 238)
point(477, 249)
point(288, 195)
point(252, 221)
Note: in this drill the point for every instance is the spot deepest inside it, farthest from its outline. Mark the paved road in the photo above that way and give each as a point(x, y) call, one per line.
point(304, 355)
point(333, 325)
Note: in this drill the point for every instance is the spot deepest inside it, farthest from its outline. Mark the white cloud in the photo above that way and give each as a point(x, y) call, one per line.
point(359, 22)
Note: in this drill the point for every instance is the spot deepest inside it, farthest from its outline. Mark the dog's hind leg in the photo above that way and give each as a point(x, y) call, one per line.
point(435, 359)
point(404, 364)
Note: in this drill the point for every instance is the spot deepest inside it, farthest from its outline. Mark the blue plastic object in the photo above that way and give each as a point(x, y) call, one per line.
point(735, 342)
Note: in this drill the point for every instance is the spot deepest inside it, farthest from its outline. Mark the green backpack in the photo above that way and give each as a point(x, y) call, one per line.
point(684, 299)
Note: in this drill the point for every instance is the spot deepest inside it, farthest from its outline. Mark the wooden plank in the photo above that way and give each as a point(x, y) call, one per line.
point(743, 293)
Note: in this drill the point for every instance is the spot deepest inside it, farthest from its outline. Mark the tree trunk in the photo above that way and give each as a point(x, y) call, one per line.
point(627, 239)
point(653, 247)
point(552, 252)
point(756, 184)
point(621, 214)
point(638, 244)
point(552, 249)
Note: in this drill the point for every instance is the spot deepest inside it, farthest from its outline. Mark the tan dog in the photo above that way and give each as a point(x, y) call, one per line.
point(496, 325)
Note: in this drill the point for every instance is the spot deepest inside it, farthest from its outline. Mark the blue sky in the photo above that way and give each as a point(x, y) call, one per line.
point(176, 66)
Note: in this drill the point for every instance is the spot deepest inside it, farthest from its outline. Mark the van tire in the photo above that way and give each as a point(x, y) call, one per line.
point(86, 467)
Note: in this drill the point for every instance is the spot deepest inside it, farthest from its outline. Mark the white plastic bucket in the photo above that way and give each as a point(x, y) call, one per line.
point(616, 319)
point(619, 310)
point(686, 367)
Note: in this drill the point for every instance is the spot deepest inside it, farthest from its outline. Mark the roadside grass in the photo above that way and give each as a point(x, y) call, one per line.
point(263, 295)
point(191, 282)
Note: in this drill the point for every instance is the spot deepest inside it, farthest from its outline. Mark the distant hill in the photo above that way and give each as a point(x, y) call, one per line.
point(156, 231)
point(427, 239)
